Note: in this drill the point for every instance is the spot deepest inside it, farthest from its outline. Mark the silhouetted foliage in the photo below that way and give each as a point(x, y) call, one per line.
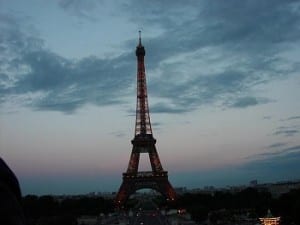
point(255, 202)
point(46, 210)
point(288, 206)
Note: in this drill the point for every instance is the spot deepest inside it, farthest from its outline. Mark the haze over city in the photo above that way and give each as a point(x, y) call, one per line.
point(223, 87)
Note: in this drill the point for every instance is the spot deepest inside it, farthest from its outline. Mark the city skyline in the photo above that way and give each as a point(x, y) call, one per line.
point(223, 88)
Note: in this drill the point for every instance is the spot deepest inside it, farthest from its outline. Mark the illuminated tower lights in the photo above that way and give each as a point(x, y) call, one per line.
point(143, 142)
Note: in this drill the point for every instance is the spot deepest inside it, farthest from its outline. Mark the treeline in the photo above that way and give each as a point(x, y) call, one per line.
point(255, 202)
point(47, 210)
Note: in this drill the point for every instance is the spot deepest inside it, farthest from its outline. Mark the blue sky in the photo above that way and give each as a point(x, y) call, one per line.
point(223, 85)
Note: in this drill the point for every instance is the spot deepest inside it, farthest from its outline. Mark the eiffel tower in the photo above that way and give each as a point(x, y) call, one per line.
point(143, 142)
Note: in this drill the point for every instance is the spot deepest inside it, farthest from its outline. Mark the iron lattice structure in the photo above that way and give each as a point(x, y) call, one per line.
point(143, 142)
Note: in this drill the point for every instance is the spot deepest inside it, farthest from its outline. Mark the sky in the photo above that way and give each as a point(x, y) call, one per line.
point(223, 89)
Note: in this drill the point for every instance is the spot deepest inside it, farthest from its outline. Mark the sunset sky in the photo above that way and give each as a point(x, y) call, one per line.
point(223, 85)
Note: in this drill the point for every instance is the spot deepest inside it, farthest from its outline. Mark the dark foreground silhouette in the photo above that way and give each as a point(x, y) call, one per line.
point(51, 210)
point(11, 212)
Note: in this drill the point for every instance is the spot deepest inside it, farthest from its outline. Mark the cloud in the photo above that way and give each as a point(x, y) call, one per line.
point(293, 118)
point(189, 94)
point(287, 131)
point(166, 108)
point(245, 102)
point(276, 145)
point(80, 8)
point(221, 53)
point(67, 85)
point(267, 117)
point(50, 82)
point(282, 151)
point(231, 24)
point(203, 53)
point(284, 162)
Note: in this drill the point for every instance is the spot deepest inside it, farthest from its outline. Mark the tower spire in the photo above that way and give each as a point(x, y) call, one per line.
point(140, 38)
point(142, 125)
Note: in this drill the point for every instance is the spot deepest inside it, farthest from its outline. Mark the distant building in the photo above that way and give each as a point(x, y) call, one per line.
point(181, 190)
point(270, 219)
point(253, 183)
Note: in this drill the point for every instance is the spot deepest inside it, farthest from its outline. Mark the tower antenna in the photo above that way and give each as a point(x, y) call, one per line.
point(140, 38)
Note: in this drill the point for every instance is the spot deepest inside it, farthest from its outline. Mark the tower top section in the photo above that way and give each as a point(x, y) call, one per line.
point(140, 50)
point(142, 125)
